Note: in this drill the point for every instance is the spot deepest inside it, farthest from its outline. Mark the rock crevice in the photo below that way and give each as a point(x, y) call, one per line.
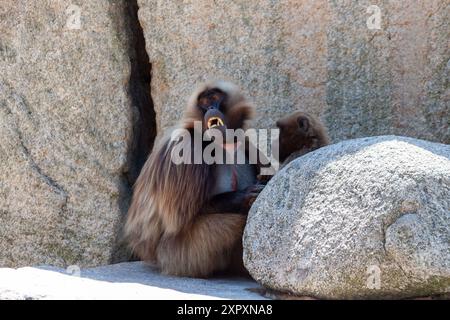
point(76, 124)
point(144, 128)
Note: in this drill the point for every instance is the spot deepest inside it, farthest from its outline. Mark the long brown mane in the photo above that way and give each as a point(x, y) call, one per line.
point(165, 224)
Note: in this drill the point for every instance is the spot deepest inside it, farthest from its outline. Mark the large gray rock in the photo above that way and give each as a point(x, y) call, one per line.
point(364, 218)
point(318, 56)
point(66, 125)
point(133, 280)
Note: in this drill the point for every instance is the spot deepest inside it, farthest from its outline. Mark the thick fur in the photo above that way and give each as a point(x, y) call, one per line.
point(166, 224)
point(300, 133)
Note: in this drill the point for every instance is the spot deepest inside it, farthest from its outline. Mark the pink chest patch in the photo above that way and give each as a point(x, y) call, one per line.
point(231, 148)
point(234, 180)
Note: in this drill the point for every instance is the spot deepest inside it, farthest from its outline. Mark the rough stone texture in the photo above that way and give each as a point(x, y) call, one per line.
point(318, 56)
point(133, 280)
point(328, 220)
point(65, 128)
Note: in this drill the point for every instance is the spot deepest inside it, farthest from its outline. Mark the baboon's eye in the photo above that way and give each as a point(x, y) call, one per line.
point(303, 123)
point(203, 102)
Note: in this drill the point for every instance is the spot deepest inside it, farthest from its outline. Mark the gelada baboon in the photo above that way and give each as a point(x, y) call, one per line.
point(188, 219)
point(300, 133)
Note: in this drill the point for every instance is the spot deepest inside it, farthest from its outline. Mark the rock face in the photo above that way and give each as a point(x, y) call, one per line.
point(132, 280)
point(74, 90)
point(363, 218)
point(318, 56)
point(66, 126)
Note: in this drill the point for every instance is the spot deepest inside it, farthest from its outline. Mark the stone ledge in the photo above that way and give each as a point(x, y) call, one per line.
point(129, 280)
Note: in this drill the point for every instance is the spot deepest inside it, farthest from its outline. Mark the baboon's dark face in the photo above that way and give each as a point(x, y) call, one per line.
point(212, 104)
point(220, 110)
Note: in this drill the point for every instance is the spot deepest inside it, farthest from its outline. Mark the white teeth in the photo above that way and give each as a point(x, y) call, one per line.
point(217, 122)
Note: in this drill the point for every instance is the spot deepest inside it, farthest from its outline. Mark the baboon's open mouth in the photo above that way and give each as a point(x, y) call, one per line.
point(214, 122)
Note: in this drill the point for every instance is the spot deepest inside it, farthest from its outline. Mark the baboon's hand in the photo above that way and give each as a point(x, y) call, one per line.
point(251, 193)
point(263, 179)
